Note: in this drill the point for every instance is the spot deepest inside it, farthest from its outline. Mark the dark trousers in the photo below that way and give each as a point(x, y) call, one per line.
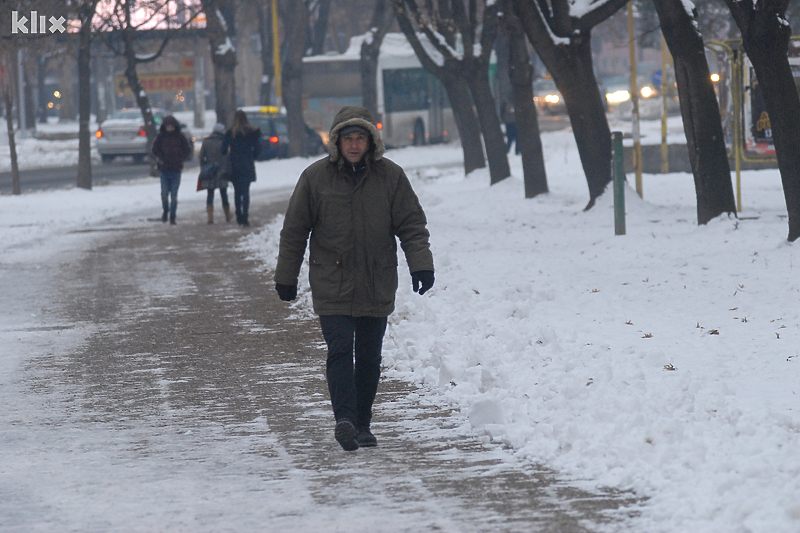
point(353, 387)
point(241, 199)
point(511, 137)
point(223, 194)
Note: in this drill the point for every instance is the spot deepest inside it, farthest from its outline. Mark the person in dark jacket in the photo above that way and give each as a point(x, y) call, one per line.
point(354, 204)
point(211, 154)
point(171, 149)
point(242, 142)
point(507, 112)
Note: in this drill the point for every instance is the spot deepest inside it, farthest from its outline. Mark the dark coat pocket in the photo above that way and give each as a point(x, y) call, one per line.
point(325, 277)
point(384, 280)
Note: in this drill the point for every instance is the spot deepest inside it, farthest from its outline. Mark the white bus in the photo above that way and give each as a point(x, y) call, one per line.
point(412, 104)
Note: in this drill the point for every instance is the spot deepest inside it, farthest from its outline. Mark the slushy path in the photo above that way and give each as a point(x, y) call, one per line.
point(197, 405)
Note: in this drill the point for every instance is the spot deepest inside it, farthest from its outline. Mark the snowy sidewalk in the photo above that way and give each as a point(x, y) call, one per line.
point(197, 405)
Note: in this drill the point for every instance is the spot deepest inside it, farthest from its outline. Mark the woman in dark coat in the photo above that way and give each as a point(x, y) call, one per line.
point(210, 154)
point(242, 142)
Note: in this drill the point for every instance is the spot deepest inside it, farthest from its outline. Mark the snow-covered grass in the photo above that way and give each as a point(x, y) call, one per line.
point(664, 361)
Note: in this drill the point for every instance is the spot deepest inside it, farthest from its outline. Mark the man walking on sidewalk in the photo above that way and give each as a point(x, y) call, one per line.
point(353, 204)
point(171, 149)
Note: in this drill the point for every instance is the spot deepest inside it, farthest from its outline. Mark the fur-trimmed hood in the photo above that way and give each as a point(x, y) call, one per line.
point(354, 115)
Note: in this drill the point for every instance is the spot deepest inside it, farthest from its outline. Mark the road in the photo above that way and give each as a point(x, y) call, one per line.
point(58, 177)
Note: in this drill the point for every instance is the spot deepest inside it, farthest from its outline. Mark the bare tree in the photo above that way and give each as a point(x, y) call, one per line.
point(8, 79)
point(320, 11)
point(765, 38)
point(449, 73)
point(560, 31)
point(521, 75)
point(292, 78)
point(221, 37)
point(125, 23)
point(700, 110)
point(370, 49)
point(445, 23)
point(25, 35)
point(86, 13)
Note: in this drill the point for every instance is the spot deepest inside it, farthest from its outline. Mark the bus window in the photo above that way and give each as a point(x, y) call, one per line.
point(406, 89)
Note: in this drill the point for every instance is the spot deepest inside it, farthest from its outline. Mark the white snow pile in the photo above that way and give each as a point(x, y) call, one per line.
point(666, 361)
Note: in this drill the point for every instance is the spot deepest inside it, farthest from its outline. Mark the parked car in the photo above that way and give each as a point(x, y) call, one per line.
point(547, 98)
point(122, 134)
point(275, 133)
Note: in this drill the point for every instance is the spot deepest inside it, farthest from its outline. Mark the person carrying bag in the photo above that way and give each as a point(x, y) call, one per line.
point(215, 171)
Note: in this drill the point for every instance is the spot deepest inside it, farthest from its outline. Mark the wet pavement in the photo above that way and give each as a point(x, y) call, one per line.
point(196, 404)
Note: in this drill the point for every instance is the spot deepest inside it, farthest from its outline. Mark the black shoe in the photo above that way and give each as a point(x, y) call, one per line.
point(172, 219)
point(365, 438)
point(164, 216)
point(345, 434)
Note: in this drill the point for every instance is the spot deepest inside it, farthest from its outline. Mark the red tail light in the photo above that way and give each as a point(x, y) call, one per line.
point(98, 133)
point(379, 125)
point(141, 132)
point(274, 140)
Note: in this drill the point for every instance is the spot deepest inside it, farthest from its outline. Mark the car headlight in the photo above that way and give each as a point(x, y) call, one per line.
point(552, 99)
point(617, 97)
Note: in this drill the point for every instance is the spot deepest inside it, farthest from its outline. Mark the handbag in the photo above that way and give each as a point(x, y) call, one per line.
point(207, 172)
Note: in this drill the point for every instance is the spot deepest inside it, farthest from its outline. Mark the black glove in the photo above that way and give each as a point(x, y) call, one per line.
point(422, 281)
point(287, 293)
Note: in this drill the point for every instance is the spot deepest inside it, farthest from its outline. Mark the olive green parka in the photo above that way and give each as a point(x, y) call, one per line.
point(353, 250)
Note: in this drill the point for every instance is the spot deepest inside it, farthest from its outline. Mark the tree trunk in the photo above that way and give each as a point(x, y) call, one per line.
point(292, 79)
point(457, 92)
point(765, 36)
point(563, 43)
point(320, 27)
point(267, 51)
point(574, 77)
point(469, 129)
point(219, 29)
point(493, 139)
point(142, 100)
point(85, 102)
point(12, 145)
point(700, 111)
point(528, 135)
point(370, 49)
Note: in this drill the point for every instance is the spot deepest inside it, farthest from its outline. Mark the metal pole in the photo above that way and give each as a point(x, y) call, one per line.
point(637, 143)
point(276, 53)
point(664, 145)
point(618, 166)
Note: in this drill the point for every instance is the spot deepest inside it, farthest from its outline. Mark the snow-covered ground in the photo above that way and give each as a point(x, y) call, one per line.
point(666, 361)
